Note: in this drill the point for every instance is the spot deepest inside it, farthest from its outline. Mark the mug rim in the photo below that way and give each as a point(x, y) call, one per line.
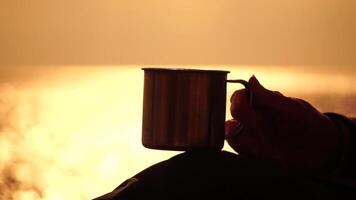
point(184, 70)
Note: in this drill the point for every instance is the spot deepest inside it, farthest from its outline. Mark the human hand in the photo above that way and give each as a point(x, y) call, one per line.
point(287, 132)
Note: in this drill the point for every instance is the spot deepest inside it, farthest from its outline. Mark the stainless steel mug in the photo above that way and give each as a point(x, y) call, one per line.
point(184, 109)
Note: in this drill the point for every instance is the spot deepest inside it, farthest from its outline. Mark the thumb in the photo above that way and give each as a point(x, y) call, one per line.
point(266, 98)
point(232, 128)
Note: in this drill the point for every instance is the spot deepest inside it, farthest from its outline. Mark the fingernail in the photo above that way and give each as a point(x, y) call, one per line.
point(236, 128)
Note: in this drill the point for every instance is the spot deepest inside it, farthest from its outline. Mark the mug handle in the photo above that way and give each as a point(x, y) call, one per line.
point(246, 85)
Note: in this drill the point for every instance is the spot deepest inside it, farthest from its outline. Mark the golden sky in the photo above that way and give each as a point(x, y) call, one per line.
point(254, 32)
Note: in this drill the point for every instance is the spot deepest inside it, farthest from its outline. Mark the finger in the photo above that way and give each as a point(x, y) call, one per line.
point(241, 131)
point(240, 106)
point(233, 128)
point(269, 99)
point(304, 103)
point(243, 142)
point(263, 96)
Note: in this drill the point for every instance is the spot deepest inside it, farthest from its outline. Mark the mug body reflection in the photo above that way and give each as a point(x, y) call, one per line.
point(183, 109)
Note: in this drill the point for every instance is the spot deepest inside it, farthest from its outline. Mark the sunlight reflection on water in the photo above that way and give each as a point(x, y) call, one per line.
point(74, 132)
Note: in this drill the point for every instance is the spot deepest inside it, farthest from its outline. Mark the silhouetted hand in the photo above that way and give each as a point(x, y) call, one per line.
point(285, 131)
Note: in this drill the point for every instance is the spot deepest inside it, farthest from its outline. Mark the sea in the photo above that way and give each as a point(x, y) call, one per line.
point(74, 132)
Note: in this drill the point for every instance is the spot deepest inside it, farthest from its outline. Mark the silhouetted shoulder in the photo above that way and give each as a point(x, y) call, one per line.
point(222, 175)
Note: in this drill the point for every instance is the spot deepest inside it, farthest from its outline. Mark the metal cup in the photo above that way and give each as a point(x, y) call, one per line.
point(184, 109)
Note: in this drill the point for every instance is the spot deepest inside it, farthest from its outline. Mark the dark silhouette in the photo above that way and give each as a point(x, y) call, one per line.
point(286, 150)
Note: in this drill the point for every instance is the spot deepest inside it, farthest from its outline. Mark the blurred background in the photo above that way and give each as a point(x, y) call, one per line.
point(71, 82)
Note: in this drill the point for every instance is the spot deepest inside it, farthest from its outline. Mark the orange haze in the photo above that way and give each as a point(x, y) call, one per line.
point(74, 132)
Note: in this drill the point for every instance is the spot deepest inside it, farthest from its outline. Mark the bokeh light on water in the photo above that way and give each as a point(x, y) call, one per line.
point(74, 132)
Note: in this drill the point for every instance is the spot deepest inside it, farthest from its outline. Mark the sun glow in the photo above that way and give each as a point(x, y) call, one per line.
point(75, 132)
point(74, 135)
